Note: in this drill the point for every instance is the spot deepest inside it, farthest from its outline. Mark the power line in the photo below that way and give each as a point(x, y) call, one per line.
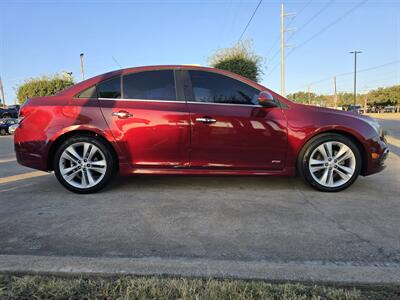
point(248, 23)
point(116, 61)
point(290, 22)
point(372, 68)
point(320, 11)
point(350, 73)
point(299, 12)
point(273, 68)
point(320, 31)
point(329, 25)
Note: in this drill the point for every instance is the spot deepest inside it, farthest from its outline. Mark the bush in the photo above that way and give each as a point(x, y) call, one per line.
point(43, 86)
point(239, 59)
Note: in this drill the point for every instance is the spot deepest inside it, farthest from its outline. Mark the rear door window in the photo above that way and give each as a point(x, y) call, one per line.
point(110, 88)
point(88, 93)
point(150, 85)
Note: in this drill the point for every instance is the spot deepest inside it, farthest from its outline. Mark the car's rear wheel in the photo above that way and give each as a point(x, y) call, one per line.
point(3, 131)
point(84, 164)
point(330, 162)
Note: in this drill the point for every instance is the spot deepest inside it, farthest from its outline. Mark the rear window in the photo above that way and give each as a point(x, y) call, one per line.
point(110, 88)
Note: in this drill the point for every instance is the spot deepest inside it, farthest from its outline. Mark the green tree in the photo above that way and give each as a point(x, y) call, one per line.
point(239, 59)
point(345, 99)
point(378, 97)
point(302, 97)
point(43, 86)
point(385, 96)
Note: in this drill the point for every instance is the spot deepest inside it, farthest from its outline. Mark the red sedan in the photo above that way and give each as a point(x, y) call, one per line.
point(191, 120)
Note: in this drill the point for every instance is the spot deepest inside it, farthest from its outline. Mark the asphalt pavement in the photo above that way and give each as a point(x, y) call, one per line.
point(247, 227)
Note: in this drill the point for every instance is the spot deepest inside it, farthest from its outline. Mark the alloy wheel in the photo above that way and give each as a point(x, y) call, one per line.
point(82, 165)
point(332, 164)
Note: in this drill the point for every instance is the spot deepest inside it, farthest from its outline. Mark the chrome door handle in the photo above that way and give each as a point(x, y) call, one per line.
point(206, 120)
point(122, 114)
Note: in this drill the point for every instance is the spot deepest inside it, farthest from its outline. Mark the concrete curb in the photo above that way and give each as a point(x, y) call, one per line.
point(345, 273)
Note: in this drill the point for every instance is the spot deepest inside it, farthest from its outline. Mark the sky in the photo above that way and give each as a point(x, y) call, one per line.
point(46, 37)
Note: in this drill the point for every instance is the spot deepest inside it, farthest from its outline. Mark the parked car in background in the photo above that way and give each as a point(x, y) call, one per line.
point(191, 120)
point(11, 129)
point(358, 109)
point(9, 112)
point(389, 109)
point(5, 124)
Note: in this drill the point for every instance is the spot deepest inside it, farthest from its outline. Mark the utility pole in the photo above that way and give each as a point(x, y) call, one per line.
point(309, 93)
point(334, 92)
point(283, 51)
point(283, 45)
point(355, 52)
point(2, 100)
point(365, 102)
point(82, 66)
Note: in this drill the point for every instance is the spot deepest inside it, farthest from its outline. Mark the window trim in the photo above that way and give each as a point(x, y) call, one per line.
point(181, 77)
point(235, 104)
point(140, 100)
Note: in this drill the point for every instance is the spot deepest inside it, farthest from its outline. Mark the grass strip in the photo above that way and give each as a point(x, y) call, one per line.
point(131, 287)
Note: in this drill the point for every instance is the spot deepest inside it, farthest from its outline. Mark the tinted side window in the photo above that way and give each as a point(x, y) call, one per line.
point(216, 88)
point(110, 88)
point(151, 85)
point(88, 93)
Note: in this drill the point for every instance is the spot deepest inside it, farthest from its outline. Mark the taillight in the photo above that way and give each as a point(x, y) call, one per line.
point(24, 111)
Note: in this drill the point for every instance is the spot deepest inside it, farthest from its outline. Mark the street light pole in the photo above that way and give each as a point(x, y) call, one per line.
point(82, 66)
point(355, 73)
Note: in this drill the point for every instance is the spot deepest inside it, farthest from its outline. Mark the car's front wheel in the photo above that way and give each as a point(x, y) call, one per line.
point(84, 164)
point(330, 162)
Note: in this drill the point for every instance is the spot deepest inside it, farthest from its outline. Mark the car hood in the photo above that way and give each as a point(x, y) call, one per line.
point(333, 111)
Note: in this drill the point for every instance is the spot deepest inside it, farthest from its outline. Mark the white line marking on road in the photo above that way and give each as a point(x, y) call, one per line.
point(22, 176)
point(6, 160)
point(15, 187)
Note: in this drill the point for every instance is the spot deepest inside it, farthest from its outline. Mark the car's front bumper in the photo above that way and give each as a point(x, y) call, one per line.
point(377, 153)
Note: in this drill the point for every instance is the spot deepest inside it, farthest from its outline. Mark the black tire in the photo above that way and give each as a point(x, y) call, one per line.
point(3, 132)
point(108, 155)
point(310, 146)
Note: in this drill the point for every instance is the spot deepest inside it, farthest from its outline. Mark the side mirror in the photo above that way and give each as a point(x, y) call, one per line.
point(265, 99)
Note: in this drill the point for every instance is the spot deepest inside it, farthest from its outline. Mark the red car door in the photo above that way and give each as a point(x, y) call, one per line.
point(229, 128)
point(149, 122)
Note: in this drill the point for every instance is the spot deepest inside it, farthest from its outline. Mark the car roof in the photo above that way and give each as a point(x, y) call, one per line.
point(75, 89)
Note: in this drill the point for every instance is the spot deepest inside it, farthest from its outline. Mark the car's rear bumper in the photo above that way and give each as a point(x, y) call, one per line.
point(30, 152)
